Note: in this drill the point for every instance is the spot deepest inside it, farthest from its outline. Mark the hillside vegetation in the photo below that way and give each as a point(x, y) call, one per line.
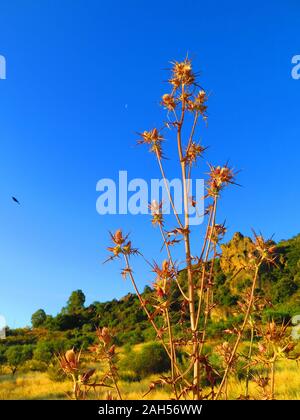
point(33, 348)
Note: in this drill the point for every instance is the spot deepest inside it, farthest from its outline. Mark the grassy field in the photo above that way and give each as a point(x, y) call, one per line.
point(287, 383)
point(37, 386)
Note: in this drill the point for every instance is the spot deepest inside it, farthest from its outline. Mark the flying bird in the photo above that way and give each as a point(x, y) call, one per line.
point(16, 200)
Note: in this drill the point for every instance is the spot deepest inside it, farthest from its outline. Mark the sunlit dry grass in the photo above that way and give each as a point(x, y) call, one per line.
point(32, 386)
point(287, 383)
point(37, 386)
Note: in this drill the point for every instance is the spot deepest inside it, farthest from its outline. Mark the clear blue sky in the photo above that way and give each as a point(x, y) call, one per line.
point(82, 77)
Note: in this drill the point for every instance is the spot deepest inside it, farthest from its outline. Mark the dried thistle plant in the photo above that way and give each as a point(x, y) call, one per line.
point(105, 351)
point(186, 106)
point(71, 364)
point(82, 377)
point(275, 344)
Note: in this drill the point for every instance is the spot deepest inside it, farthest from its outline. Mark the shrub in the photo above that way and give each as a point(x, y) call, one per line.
point(34, 366)
point(55, 373)
point(44, 351)
point(150, 360)
point(131, 337)
point(279, 316)
point(2, 355)
point(130, 377)
point(283, 289)
point(18, 355)
point(86, 328)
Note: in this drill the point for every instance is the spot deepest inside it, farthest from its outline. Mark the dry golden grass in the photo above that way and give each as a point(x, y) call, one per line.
point(287, 386)
point(37, 386)
point(32, 386)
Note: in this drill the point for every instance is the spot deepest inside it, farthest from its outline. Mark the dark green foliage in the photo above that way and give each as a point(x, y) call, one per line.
point(43, 351)
point(279, 316)
point(149, 334)
point(283, 289)
point(2, 354)
point(130, 337)
point(223, 294)
point(64, 322)
point(75, 303)
point(38, 318)
point(150, 359)
point(16, 356)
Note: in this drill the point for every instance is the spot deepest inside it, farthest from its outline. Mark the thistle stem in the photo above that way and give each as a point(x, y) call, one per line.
point(240, 333)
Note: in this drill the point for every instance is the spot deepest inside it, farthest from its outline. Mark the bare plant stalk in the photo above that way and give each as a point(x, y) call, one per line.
point(114, 379)
point(129, 271)
point(207, 303)
point(172, 262)
point(75, 387)
point(168, 190)
point(249, 358)
point(207, 246)
point(240, 333)
point(191, 288)
point(272, 392)
point(173, 353)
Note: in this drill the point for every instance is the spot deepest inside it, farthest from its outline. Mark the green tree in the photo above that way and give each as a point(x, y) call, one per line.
point(38, 318)
point(75, 302)
point(44, 351)
point(283, 289)
point(17, 355)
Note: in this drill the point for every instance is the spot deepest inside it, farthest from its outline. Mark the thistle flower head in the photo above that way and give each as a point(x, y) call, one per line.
point(69, 361)
point(198, 103)
point(193, 151)
point(166, 271)
point(160, 290)
point(156, 212)
point(118, 237)
point(219, 177)
point(182, 73)
point(169, 102)
point(261, 252)
point(217, 232)
point(164, 277)
point(121, 245)
point(104, 335)
point(265, 249)
point(154, 140)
